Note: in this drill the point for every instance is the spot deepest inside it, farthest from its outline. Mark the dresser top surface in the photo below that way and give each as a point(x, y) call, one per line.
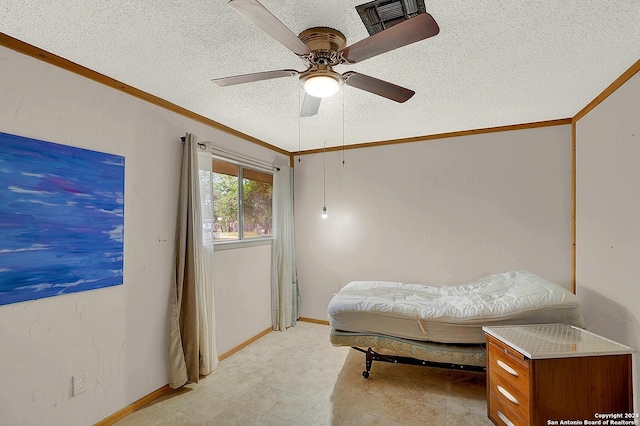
point(555, 341)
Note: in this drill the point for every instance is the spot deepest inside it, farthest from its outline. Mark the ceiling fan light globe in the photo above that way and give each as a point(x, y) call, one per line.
point(321, 86)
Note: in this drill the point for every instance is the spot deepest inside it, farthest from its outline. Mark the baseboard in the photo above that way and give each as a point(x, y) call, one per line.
point(315, 321)
point(119, 415)
point(244, 344)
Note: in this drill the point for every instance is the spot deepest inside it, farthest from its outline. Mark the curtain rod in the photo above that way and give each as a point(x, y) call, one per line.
point(239, 157)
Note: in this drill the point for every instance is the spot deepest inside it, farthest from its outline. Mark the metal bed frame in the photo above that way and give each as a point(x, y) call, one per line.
point(371, 355)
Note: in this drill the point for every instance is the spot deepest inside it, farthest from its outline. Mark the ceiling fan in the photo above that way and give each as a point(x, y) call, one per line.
point(322, 48)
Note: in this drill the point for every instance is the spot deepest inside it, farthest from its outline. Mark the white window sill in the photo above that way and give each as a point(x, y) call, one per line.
point(251, 242)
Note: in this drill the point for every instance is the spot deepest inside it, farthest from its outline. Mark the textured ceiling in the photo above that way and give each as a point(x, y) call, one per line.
point(495, 62)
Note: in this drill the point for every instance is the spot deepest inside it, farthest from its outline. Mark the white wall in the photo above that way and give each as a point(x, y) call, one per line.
point(440, 211)
point(242, 285)
point(608, 218)
point(117, 334)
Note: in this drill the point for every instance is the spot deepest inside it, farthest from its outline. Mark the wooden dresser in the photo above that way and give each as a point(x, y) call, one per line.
point(542, 374)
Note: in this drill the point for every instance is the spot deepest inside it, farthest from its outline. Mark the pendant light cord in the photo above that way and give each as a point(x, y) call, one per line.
point(324, 174)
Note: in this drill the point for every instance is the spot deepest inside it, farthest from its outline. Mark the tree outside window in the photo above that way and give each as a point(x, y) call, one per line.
point(251, 218)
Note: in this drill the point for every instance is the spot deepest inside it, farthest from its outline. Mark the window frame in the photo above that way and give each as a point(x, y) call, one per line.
point(242, 241)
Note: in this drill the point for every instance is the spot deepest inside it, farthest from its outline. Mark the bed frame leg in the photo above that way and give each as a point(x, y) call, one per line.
point(368, 363)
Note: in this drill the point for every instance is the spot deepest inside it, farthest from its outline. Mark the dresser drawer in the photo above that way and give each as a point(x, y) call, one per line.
point(510, 365)
point(502, 414)
point(509, 395)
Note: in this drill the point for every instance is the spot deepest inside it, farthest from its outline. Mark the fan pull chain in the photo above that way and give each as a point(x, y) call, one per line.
point(324, 180)
point(299, 131)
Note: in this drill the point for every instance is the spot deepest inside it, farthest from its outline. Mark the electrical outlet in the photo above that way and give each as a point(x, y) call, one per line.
point(79, 383)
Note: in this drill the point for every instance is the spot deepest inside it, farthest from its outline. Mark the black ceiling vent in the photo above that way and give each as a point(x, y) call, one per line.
point(379, 15)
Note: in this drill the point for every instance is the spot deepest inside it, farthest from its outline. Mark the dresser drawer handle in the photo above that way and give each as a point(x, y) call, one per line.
point(505, 419)
point(507, 395)
point(506, 368)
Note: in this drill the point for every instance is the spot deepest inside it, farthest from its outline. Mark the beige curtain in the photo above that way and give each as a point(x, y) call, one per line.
point(284, 282)
point(191, 326)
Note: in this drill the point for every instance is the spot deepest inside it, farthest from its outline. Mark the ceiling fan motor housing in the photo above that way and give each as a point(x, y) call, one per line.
point(325, 43)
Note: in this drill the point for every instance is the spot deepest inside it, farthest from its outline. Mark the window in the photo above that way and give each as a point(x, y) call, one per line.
point(241, 202)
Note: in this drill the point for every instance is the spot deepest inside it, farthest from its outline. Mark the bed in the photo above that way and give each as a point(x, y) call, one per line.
point(442, 326)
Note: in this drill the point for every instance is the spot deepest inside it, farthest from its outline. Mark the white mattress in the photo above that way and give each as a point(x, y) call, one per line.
point(452, 314)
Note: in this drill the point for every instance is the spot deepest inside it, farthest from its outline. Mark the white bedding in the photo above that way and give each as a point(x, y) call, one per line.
point(452, 314)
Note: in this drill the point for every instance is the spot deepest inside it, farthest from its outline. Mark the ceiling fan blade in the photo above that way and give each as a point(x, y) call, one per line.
point(310, 105)
point(261, 17)
point(377, 87)
point(410, 31)
point(249, 78)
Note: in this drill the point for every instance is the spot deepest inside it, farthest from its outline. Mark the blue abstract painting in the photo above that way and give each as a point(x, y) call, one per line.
point(61, 219)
